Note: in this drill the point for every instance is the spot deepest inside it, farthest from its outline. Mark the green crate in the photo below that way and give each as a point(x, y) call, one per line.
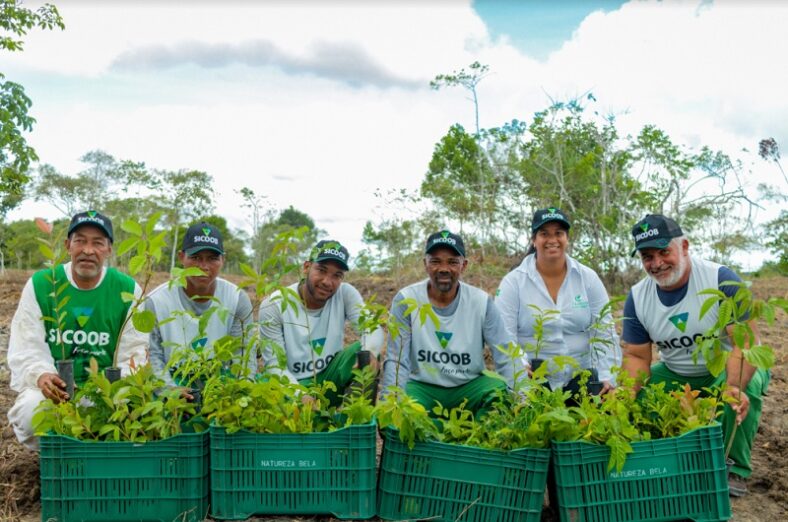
point(298, 474)
point(667, 479)
point(124, 481)
point(448, 482)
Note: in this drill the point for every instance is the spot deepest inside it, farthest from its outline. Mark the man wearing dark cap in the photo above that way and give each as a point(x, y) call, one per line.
point(202, 248)
point(94, 315)
point(444, 362)
point(313, 332)
point(664, 309)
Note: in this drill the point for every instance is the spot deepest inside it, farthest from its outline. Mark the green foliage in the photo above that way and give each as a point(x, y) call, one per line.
point(15, 154)
point(276, 405)
point(54, 252)
point(135, 408)
point(146, 246)
point(736, 314)
point(403, 413)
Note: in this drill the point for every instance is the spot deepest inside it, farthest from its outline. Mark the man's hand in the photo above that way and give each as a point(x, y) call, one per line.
point(53, 387)
point(740, 404)
point(606, 387)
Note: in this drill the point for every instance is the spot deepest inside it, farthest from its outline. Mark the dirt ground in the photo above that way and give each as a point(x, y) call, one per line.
point(767, 501)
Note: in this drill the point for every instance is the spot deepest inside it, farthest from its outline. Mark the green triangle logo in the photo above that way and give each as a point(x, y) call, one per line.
point(199, 344)
point(680, 321)
point(552, 210)
point(318, 345)
point(644, 227)
point(206, 231)
point(445, 234)
point(443, 338)
point(82, 314)
point(91, 213)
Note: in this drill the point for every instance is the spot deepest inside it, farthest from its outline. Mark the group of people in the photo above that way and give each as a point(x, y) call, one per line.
point(431, 360)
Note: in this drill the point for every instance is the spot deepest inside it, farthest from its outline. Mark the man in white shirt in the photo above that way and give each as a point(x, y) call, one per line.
point(178, 310)
point(663, 309)
point(312, 332)
point(444, 363)
point(94, 314)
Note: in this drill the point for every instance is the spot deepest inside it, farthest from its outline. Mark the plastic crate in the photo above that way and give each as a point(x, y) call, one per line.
point(448, 482)
point(161, 481)
point(303, 474)
point(667, 479)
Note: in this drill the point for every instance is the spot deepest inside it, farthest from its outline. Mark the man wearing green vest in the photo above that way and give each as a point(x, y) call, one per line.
point(94, 315)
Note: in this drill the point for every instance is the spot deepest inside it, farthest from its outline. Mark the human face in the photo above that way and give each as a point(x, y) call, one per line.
point(444, 268)
point(210, 262)
point(321, 282)
point(550, 241)
point(88, 247)
point(668, 266)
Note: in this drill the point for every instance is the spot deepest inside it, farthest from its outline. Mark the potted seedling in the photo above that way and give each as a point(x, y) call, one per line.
point(602, 341)
point(54, 253)
point(148, 245)
point(541, 317)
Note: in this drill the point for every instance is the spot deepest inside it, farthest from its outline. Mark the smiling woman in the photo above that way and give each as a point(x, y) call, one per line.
point(570, 294)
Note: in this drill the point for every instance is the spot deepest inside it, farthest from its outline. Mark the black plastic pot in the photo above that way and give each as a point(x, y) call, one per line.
point(196, 394)
point(112, 374)
point(592, 384)
point(362, 358)
point(65, 370)
point(595, 387)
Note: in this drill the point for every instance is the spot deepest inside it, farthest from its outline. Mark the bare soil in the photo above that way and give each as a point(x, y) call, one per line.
point(768, 498)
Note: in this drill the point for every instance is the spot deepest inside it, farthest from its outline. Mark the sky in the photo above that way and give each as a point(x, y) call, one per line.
point(320, 105)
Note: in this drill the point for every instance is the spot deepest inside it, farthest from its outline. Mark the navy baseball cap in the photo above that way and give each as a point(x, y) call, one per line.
point(202, 236)
point(444, 238)
point(92, 218)
point(546, 215)
point(655, 231)
point(330, 250)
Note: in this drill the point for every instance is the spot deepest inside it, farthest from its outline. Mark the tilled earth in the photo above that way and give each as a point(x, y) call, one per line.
point(767, 501)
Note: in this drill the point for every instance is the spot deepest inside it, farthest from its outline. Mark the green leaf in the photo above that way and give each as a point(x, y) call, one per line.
point(126, 245)
point(127, 297)
point(248, 270)
point(136, 264)
point(46, 251)
point(132, 227)
point(144, 321)
point(760, 356)
point(741, 333)
point(707, 304)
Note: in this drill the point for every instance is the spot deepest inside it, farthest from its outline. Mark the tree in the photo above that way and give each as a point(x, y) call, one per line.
point(15, 154)
point(287, 220)
point(469, 80)
point(103, 180)
point(183, 194)
point(256, 205)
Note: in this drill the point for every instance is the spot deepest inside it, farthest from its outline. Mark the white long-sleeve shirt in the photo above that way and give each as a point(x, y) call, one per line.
point(29, 355)
point(581, 298)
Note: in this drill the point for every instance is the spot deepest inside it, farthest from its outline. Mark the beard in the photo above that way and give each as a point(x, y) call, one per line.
point(670, 278)
point(86, 271)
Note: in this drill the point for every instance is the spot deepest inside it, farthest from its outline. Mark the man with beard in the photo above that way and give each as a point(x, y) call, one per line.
point(178, 310)
point(444, 362)
point(664, 309)
point(308, 319)
point(93, 313)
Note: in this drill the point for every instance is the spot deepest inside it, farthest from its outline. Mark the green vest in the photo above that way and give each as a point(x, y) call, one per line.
point(92, 321)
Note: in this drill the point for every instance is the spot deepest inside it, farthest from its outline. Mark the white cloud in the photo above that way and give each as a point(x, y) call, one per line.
point(317, 105)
